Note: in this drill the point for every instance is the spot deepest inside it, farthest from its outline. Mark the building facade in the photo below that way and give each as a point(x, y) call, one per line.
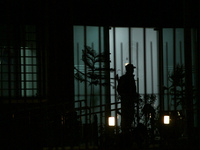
point(41, 43)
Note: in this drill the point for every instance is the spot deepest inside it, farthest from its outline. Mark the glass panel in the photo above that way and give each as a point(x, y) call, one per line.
point(137, 55)
point(168, 63)
point(139, 47)
point(194, 73)
point(173, 65)
point(29, 93)
point(88, 94)
point(34, 84)
point(29, 85)
point(180, 46)
point(29, 77)
point(28, 61)
point(28, 52)
point(151, 61)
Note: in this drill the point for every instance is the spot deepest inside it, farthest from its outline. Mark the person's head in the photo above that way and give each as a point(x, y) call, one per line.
point(130, 69)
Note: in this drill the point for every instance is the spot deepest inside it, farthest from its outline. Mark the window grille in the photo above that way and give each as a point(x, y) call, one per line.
point(20, 64)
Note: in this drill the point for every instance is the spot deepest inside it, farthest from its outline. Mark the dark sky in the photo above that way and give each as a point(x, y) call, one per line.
point(102, 12)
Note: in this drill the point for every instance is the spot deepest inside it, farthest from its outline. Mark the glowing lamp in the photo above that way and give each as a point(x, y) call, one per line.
point(111, 121)
point(166, 119)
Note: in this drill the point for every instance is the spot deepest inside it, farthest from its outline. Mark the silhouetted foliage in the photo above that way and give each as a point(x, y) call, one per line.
point(177, 96)
point(177, 87)
point(96, 67)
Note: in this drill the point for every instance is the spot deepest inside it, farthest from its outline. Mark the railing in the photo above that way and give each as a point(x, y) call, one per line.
point(99, 111)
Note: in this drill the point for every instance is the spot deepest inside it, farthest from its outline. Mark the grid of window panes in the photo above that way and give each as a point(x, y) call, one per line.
point(29, 63)
point(18, 61)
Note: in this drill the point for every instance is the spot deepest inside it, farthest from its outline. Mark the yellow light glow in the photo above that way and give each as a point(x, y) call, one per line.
point(166, 119)
point(126, 64)
point(111, 121)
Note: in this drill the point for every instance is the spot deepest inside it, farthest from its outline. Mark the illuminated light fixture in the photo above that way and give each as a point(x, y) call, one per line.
point(166, 119)
point(111, 121)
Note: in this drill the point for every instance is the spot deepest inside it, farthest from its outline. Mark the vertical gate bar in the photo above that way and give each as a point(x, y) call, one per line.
point(151, 47)
point(145, 82)
point(78, 84)
point(174, 65)
point(32, 57)
point(9, 71)
point(121, 48)
point(1, 80)
point(32, 64)
point(168, 102)
point(24, 62)
point(188, 85)
point(9, 78)
point(115, 96)
point(181, 63)
point(38, 65)
point(114, 55)
point(137, 57)
point(86, 90)
point(16, 68)
point(180, 44)
point(160, 54)
point(100, 74)
point(41, 57)
point(197, 64)
point(107, 65)
point(85, 68)
point(137, 60)
point(16, 58)
point(129, 35)
point(92, 94)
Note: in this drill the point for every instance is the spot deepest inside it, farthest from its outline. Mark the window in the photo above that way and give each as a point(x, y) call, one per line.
point(143, 48)
point(20, 64)
point(175, 64)
point(138, 46)
point(90, 99)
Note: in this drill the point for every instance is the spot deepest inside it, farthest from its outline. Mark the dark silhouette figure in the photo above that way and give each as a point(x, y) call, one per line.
point(127, 90)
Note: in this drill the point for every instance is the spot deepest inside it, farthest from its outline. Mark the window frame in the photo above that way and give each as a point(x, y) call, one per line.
point(18, 39)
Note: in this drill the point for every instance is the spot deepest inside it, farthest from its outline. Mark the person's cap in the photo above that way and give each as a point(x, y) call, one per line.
point(130, 66)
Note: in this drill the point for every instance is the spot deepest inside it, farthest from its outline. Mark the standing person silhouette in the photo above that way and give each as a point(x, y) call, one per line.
point(127, 90)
